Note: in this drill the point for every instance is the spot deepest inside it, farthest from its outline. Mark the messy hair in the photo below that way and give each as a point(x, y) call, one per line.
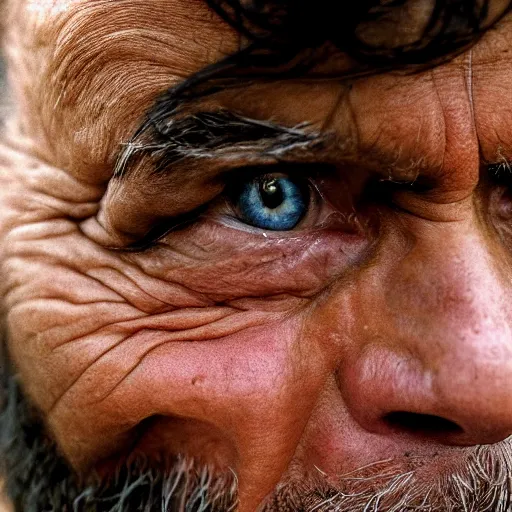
point(283, 31)
point(286, 38)
point(282, 39)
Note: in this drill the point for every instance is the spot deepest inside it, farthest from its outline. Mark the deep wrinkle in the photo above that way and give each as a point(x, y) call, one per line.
point(294, 348)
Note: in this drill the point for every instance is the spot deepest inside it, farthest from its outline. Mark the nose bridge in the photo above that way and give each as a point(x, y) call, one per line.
point(450, 295)
point(449, 298)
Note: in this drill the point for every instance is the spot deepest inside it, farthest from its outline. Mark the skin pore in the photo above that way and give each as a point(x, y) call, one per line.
point(361, 359)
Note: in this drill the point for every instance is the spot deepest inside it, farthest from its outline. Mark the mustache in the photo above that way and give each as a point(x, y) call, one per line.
point(38, 478)
point(482, 483)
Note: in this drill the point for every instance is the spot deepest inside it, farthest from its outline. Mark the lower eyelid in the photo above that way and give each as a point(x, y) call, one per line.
point(265, 262)
point(234, 223)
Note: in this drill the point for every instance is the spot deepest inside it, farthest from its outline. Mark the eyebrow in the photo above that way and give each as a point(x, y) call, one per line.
point(209, 135)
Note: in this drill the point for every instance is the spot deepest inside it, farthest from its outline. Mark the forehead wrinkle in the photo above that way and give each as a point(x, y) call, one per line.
point(100, 63)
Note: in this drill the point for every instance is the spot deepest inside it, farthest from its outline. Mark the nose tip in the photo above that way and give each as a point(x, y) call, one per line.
point(391, 395)
point(433, 338)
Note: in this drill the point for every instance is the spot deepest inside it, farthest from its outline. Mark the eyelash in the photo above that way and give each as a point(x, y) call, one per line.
point(300, 177)
point(222, 208)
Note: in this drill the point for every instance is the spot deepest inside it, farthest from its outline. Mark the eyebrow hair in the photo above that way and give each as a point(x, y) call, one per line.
point(276, 37)
point(212, 134)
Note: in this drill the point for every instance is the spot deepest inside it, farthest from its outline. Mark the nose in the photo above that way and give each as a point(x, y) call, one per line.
point(435, 358)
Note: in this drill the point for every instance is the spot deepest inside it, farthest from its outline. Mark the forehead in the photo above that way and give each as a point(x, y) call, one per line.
point(180, 36)
point(176, 37)
point(98, 64)
point(87, 70)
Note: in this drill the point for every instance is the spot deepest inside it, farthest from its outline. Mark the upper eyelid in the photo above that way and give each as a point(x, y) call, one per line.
point(288, 168)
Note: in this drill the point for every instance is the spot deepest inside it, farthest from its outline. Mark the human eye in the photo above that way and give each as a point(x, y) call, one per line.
point(271, 201)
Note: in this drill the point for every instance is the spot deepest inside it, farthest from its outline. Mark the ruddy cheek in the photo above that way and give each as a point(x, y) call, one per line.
point(252, 387)
point(70, 302)
point(97, 384)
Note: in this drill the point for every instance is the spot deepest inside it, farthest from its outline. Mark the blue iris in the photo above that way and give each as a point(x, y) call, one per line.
point(274, 203)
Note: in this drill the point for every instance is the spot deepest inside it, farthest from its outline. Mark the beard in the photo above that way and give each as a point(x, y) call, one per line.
point(134, 487)
point(38, 479)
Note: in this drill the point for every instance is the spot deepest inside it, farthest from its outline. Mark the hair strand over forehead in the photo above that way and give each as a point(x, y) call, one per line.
point(283, 30)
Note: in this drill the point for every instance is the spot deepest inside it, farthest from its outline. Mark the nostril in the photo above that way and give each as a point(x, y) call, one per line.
point(421, 424)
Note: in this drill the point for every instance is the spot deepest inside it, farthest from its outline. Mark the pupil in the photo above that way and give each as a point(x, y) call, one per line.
point(271, 193)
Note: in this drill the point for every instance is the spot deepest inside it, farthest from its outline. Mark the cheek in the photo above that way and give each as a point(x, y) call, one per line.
point(72, 304)
point(243, 385)
point(104, 341)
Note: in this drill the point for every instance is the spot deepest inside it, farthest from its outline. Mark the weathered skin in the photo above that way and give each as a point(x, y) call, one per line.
point(274, 354)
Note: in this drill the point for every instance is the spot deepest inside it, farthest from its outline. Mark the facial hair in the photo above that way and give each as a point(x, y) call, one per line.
point(38, 479)
point(481, 482)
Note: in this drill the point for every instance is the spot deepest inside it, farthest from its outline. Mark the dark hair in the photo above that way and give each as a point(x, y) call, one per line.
point(280, 32)
point(285, 38)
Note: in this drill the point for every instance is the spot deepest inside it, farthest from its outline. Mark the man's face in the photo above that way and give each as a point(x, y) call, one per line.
point(324, 310)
